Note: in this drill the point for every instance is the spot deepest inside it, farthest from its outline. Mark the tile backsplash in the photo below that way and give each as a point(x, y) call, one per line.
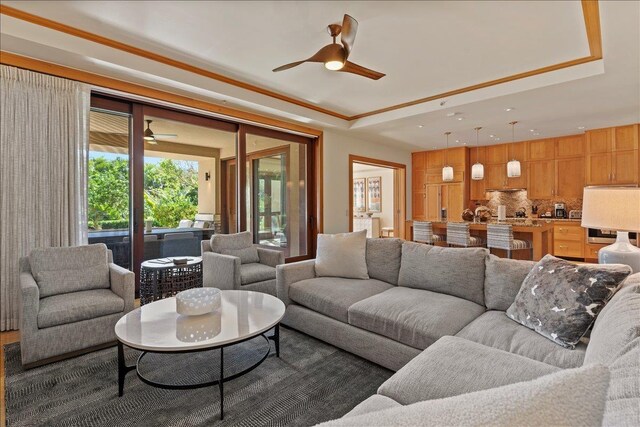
point(515, 200)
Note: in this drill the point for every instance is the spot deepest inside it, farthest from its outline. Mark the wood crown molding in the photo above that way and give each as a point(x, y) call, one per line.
point(590, 11)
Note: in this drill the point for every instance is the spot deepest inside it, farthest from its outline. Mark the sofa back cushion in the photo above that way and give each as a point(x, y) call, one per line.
point(453, 271)
point(383, 259)
point(64, 270)
point(617, 325)
point(231, 241)
point(502, 281)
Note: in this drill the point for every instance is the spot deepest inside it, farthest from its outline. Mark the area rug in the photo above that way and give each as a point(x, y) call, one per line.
point(310, 383)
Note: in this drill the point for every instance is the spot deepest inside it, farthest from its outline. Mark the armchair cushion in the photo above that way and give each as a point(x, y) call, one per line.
point(77, 306)
point(256, 272)
point(231, 241)
point(247, 255)
point(64, 270)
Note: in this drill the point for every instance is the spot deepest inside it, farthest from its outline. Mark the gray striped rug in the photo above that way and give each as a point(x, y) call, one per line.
point(311, 382)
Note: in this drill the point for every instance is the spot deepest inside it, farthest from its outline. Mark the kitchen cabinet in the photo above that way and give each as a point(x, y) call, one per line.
point(568, 239)
point(569, 178)
point(419, 161)
point(612, 156)
point(496, 154)
point(433, 202)
point(436, 177)
point(418, 205)
point(435, 159)
point(495, 176)
point(541, 179)
point(541, 149)
point(591, 251)
point(570, 146)
point(449, 197)
point(477, 190)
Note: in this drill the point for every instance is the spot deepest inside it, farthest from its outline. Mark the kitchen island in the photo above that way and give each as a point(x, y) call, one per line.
point(538, 231)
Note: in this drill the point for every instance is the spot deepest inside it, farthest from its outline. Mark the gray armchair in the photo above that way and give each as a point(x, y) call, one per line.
point(232, 261)
point(71, 300)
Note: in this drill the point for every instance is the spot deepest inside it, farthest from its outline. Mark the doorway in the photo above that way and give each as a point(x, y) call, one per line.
point(377, 196)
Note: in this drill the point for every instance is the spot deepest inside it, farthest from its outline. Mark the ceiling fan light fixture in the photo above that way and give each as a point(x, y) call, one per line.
point(334, 65)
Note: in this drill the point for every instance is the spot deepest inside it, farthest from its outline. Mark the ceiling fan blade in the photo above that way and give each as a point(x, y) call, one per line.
point(320, 56)
point(165, 135)
point(287, 66)
point(350, 67)
point(348, 33)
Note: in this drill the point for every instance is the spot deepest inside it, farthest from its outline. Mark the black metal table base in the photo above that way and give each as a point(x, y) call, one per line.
point(123, 369)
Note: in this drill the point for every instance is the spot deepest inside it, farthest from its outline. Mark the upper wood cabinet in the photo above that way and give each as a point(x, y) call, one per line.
point(496, 154)
point(612, 156)
point(569, 177)
point(419, 161)
point(495, 176)
point(418, 205)
point(477, 155)
point(456, 156)
point(435, 159)
point(541, 149)
point(419, 181)
point(541, 179)
point(570, 146)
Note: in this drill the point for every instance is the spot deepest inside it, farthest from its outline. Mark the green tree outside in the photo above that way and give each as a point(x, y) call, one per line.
point(171, 192)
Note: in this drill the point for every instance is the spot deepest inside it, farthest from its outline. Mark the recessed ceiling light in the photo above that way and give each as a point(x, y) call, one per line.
point(457, 140)
point(453, 113)
point(532, 130)
point(492, 136)
point(464, 143)
point(580, 127)
point(497, 139)
point(420, 126)
point(460, 118)
point(536, 133)
point(509, 109)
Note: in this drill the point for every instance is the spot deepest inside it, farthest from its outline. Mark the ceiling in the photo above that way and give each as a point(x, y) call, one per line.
point(425, 48)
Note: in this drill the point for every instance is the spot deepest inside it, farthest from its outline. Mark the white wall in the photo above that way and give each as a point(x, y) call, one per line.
point(207, 189)
point(337, 148)
point(386, 216)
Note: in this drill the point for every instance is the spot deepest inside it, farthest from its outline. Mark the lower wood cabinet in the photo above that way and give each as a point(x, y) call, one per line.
point(568, 239)
point(449, 197)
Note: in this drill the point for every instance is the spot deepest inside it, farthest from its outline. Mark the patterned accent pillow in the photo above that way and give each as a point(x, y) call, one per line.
point(560, 300)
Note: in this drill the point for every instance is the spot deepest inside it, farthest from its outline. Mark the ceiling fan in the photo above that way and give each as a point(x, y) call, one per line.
point(334, 55)
point(152, 137)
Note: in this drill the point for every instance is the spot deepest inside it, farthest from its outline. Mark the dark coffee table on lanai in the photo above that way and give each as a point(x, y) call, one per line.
point(161, 278)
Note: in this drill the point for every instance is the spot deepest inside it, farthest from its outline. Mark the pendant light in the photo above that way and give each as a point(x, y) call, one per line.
point(447, 171)
point(513, 167)
point(477, 170)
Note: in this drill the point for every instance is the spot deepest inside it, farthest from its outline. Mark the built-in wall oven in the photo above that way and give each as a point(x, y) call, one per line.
point(596, 235)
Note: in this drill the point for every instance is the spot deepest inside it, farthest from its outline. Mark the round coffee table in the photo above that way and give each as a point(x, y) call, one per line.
point(157, 328)
point(161, 278)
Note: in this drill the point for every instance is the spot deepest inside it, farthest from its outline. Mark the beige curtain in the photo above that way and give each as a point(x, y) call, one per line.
point(43, 158)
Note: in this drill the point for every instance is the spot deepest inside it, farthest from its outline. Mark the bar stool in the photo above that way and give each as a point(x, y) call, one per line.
point(500, 236)
point(458, 235)
point(423, 233)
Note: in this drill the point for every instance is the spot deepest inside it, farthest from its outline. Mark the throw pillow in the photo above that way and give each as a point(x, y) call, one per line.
point(246, 255)
point(560, 300)
point(569, 397)
point(342, 255)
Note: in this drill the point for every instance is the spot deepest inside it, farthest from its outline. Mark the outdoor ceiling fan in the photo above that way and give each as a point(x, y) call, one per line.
point(153, 137)
point(334, 55)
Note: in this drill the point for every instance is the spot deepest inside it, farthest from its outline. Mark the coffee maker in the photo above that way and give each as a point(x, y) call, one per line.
point(560, 210)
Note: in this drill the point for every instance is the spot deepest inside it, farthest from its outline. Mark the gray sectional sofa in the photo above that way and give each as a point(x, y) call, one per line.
point(437, 316)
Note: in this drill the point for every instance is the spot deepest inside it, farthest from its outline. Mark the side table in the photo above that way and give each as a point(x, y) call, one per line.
point(161, 280)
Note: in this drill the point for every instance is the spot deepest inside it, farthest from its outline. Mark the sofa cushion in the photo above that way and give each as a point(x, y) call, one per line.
point(560, 300)
point(623, 398)
point(374, 403)
point(383, 259)
point(413, 317)
point(564, 398)
point(247, 255)
point(503, 279)
point(617, 325)
point(342, 255)
point(453, 366)
point(72, 269)
point(74, 307)
point(231, 241)
point(495, 329)
point(332, 296)
point(255, 272)
point(453, 271)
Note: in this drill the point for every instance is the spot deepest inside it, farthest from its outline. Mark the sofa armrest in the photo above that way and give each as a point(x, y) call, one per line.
point(30, 300)
point(220, 271)
point(287, 274)
point(270, 257)
point(123, 284)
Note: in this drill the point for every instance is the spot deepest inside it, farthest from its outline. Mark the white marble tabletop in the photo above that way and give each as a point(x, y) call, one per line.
point(157, 327)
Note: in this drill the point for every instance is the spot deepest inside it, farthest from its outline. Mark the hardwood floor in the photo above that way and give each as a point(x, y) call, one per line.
point(5, 338)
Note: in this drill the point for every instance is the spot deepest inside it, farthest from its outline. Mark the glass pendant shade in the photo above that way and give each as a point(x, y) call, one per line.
point(513, 169)
point(477, 172)
point(447, 173)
